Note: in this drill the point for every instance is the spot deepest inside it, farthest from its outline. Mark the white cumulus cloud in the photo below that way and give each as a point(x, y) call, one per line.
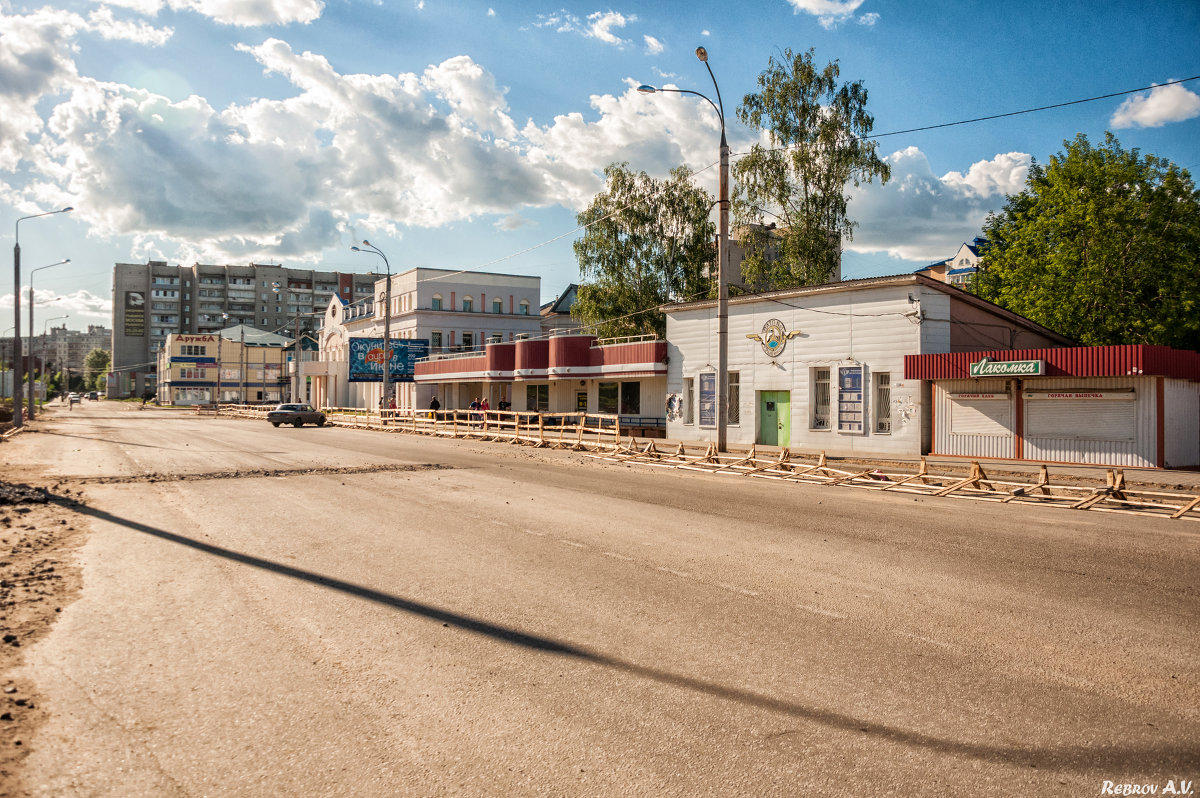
point(103, 22)
point(1164, 104)
point(828, 12)
point(603, 23)
point(920, 216)
point(600, 25)
point(241, 13)
point(653, 45)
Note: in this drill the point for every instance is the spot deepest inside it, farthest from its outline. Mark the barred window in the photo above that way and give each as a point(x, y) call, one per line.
point(734, 413)
point(883, 403)
point(820, 398)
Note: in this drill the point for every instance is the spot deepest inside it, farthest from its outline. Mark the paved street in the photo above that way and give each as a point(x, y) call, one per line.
point(339, 612)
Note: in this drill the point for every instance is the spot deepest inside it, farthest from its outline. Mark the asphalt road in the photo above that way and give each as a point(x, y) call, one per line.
point(340, 612)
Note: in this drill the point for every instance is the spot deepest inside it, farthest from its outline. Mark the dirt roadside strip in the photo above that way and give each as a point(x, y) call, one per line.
point(40, 530)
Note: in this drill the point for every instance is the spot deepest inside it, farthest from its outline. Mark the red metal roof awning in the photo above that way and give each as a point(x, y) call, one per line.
point(1075, 361)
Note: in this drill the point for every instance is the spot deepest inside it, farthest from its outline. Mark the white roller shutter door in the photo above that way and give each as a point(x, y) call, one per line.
point(1097, 416)
point(980, 414)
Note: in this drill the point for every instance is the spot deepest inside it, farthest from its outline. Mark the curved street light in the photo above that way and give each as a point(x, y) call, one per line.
point(387, 322)
point(18, 375)
point(31, 273)
point(722, 254)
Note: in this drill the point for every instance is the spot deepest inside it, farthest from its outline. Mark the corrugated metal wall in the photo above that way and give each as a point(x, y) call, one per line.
point(986, 446)
point(1138, 452)
point(1183, 424)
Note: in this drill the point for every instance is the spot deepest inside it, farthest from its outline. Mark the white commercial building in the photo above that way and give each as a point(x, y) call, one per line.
point(453, 311)
point(821, 368)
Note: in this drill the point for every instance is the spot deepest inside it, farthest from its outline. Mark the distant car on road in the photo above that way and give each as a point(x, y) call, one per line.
point(93, 395)
point(296, 415)
point(75, 398)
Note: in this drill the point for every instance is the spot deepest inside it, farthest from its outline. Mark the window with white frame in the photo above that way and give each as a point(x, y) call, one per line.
point(497, 306)
point(468, 340)
point(524, 307)
point(820, 398)
point(537, 398)
point(468, 304)
point(883, 402)
point(436, 302)
point(192, 350)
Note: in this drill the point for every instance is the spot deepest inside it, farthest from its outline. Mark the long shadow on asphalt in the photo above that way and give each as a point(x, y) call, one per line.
point(1139, 758)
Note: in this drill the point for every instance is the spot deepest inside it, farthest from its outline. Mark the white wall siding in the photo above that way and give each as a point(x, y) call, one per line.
point(947, 441)
point(1182, 400)
point(866, 327)
point(1138, 452)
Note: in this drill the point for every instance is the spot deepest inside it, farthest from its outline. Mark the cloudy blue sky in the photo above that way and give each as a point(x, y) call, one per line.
point(469, 134)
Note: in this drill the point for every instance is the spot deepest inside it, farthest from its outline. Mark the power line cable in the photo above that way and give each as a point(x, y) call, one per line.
point(1009, 113)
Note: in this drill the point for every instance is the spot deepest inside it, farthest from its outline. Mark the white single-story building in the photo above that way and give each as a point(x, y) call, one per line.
point(821, 368)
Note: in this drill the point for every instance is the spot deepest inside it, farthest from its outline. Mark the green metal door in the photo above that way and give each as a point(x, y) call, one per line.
point(774, 418)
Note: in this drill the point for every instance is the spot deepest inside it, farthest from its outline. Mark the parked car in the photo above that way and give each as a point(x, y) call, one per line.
point(74, 398)
point(93, 395)
point(296, 415)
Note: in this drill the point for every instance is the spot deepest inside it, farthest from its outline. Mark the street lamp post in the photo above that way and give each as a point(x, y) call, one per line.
point(294, 382)
point(220, 362)
point(45, 322)
point(387, 321)
point(18, 419)
point(31, 273)
point(722, 255)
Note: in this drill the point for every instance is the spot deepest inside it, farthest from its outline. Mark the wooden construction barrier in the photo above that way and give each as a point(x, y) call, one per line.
point(1116, 496)
point(600, 434)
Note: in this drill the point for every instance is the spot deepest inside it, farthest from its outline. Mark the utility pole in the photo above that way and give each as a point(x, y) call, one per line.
point(242, 369)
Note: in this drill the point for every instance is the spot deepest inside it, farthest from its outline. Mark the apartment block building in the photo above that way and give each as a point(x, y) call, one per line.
point(57, 348)
point(68, 348)
point(153, 300)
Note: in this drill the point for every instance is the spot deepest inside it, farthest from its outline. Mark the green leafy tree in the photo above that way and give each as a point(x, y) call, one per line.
point(816, 148)
point(1102, 245)
point(95, 367)
point(647, 242)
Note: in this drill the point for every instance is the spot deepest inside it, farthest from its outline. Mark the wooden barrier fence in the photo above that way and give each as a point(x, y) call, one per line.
point(601, 434)
point(1116, 496)
point(556, 430)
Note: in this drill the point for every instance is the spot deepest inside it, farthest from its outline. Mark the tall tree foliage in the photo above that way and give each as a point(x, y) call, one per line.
point(816, 147)
point(95, 368)
point(1102, 245)
point(647, 242)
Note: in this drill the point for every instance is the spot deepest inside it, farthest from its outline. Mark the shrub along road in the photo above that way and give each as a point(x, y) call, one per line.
point(332, 611)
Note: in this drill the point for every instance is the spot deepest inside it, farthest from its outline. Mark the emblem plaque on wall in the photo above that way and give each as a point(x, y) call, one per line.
point(774, 337)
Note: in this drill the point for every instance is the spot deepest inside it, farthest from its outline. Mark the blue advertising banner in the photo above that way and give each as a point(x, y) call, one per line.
point(708, 399)
point(851, 408)
point(366, 359)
